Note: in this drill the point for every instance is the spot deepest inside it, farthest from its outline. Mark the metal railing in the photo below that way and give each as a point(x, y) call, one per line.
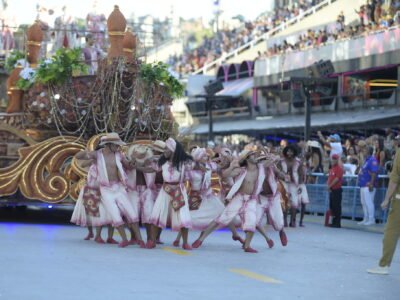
point(340, 102)
point(263, 37)
point(351, 203)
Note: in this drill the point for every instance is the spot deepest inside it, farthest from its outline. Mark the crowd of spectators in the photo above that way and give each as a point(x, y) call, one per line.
point(373, 16)
point(316, 153)
point(227, 40)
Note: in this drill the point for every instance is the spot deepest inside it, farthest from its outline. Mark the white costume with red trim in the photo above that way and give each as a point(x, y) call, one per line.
point(162, 207)
point(114, 194)
point(292, 187)
point(79, 215)
point(303, 195)
point(133, 191)
point(211, 205)
point(270, 202)
point(148, 194)
point(241, 204)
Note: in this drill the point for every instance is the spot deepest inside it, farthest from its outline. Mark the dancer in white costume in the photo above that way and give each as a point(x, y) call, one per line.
point(243, 197)
point(290, 165)
point(142, 183)
point(113, 180)
point(270, 204)
point(172, 199)
point(133, 195)
point(302, 192)
point(204, 205)
point(89, 210)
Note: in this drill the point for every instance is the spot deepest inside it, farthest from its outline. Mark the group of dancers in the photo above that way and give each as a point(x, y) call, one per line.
point(159, 184)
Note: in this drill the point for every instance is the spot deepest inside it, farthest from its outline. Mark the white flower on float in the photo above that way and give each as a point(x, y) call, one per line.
point(57, 96)
point(27, 73)
point(22, 62)
point(133, 107)
point(34, 103)
point(41, 105)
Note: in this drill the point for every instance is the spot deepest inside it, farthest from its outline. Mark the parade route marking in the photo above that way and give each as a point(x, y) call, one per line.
point(255, 276)
point(177, 251)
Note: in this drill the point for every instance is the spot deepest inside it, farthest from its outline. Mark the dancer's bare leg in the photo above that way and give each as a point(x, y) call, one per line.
point(285, 215)
point(302, 211)
point(293, 212)
point(133, 240)
point(263, 232)
point(151, 241)
point(177, 240)
point(98, 238)
point(148, 230)
point(213, 225)
point(110, 232)
point(90, 234)
point(185, 235)
point(283, 237)
point(158, 240)
point(249, 237)
point(235, 234)
point(110, 236)
point(121, 231)
point(136, 230)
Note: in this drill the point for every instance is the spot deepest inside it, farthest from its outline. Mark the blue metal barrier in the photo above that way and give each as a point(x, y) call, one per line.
point(351, 204)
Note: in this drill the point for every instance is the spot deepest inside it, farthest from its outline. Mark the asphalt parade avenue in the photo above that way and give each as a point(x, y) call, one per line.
point(42, 260)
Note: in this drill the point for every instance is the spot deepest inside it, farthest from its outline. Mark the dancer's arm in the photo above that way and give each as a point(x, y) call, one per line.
point(87, 163)
point(232, 171)
point(86, 155)
point(149, 166)
point(280, 174)
point(128, 164)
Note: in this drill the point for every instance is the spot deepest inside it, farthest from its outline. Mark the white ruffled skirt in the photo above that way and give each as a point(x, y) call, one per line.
point(162, 211)
point(81, 218)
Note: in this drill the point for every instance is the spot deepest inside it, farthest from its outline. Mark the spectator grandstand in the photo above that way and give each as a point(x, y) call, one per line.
point(374, 15)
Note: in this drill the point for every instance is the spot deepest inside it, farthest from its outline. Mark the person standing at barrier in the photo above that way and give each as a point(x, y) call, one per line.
point(290, 165)
point(367, 183)
point(334, 183)
point(392, 229)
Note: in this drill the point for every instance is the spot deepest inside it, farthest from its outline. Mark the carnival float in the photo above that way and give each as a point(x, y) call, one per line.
point(55, 110)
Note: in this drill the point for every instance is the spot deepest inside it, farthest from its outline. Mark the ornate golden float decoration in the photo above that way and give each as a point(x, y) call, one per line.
point(43, 171)
point(126, 96)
